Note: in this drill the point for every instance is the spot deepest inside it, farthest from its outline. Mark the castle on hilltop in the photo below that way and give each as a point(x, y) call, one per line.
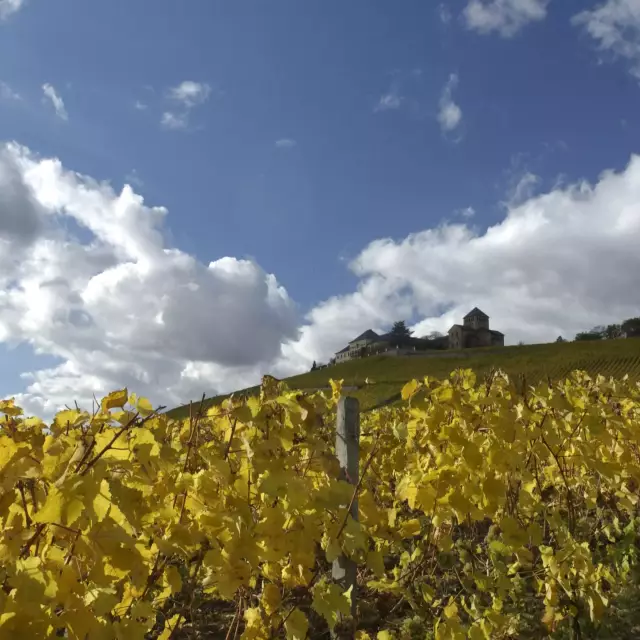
point(474, 332)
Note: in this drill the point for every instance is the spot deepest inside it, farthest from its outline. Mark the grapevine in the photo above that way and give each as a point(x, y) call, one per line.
point(485, 509)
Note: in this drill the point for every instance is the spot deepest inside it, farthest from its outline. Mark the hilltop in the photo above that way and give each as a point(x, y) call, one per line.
point(379, 379)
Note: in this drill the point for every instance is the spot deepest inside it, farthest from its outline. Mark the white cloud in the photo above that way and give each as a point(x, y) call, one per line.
point(615, 25)
point(122, 308)
point(286, 143)
point(450, 114)
point(190, 93)
point(8, 94)
point(507, 17)
point(187, 95)
point(467, 212)
point(125, 309)
point(171, 120)
point(523, 189)
point(52, 95)
point(558, 263)
point(140, 106)
point(21, 217)
point(9, 7)
point(389, 101)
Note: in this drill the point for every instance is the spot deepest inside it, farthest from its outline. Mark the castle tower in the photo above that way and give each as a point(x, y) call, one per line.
point(476, 319)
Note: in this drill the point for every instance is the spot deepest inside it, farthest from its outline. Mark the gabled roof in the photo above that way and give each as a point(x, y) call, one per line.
point(343, 350)
point(367, 335)
point(496, 333)
point(476, 312)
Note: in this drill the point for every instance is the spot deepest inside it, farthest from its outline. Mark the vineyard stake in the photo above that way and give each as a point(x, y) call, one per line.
point(344, 571)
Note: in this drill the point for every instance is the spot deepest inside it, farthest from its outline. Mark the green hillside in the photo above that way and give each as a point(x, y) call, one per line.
point(387, 375)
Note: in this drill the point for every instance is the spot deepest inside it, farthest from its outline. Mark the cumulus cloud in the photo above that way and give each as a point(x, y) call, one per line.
point(523, 188)
point(450, 114)
point(186, 96)
point(21, 216)
point(122, 308)
point(190, 93)
point(52, 95)
point(506, 17)
point(9, 7)
point(286, 143)
point(615, 26)
point(559, 262)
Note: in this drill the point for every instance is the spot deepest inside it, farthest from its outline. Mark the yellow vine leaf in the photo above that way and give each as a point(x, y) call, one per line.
point(270, 599)
point(256, 627)
point(173, 579)
point(70, 417)
point(375, 563)
point(7, 450)
point(596, 606)
point(409, 389)
point(254, 486)
point(115, 400)
point(336, 388)
point(451, 610)
point(51, 510)
point(8, 407)
point(102, 600)
point(144, 406)
point(169, 627)
point(296, 625)
point(409, 528)
point(408, 491)
point(331, 602)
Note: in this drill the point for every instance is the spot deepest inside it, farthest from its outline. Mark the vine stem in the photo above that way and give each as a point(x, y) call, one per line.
point(24, 504)
point(233, 431)
point(25, 550)
point(193, 431)
point(175, 627)
point(118, 433)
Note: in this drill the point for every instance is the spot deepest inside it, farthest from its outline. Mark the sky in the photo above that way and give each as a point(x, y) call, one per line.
point(198, 194)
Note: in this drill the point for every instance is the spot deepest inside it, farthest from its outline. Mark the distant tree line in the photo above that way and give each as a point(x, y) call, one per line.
point(628, 329)
point(400, 337)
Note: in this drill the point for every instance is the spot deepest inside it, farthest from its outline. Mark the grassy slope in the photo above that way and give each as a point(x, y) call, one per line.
point(536, 362)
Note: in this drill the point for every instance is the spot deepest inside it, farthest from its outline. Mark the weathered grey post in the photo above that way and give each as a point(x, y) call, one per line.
point(348, 454)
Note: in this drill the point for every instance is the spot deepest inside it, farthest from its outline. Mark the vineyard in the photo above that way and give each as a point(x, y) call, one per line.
point(379, 379)
point(480, 509)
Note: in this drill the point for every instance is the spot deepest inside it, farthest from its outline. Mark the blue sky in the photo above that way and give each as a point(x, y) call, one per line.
point(336, 148)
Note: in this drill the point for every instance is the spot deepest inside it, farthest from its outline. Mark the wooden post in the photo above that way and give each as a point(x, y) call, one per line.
point(348, 454)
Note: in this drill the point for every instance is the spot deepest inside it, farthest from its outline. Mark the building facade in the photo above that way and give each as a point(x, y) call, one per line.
point(474, 332)
point(355, 348)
